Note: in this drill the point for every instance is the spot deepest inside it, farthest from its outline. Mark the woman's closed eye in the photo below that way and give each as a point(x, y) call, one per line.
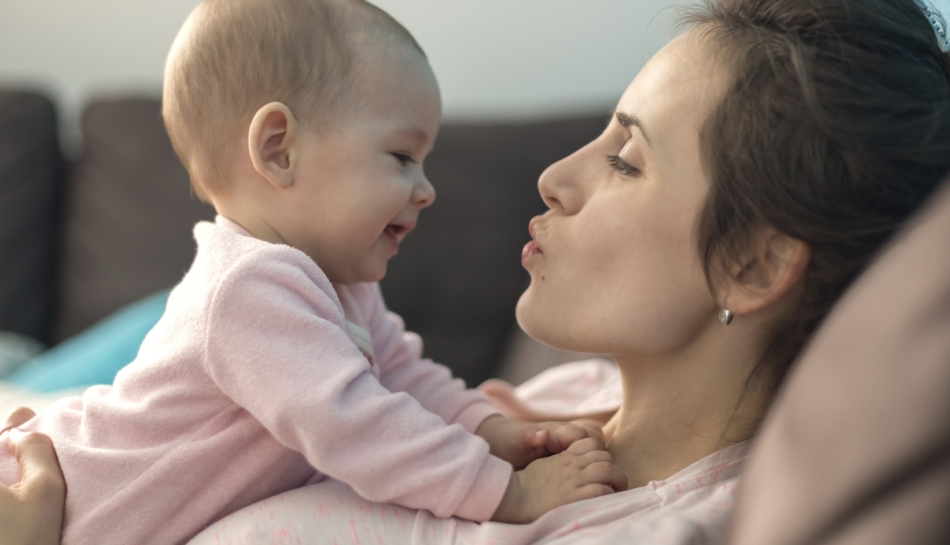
point(621, 166)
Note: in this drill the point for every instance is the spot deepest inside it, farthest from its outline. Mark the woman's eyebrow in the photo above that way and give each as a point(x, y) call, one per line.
point(627, 120)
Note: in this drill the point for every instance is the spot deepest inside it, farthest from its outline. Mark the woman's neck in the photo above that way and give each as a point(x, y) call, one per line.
point(680, 408)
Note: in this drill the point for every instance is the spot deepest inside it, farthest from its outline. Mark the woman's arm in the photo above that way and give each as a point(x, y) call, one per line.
point(31, 512)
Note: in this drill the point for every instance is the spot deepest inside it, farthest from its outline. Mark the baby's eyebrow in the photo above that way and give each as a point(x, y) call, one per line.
point(628, 120)
point(418, 136)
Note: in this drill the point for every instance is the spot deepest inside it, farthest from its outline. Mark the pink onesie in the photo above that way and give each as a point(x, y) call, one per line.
point(260, 371)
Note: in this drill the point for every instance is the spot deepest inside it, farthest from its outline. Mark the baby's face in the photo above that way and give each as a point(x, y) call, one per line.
point(360, 186)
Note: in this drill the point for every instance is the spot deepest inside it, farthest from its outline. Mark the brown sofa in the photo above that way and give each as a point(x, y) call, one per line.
point(80, 239)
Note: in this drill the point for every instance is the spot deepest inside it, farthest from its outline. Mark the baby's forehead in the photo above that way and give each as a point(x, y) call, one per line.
point(386, 76)
point(397, 100)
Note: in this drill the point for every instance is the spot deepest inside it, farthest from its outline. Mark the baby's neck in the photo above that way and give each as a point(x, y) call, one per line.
point(249, 220)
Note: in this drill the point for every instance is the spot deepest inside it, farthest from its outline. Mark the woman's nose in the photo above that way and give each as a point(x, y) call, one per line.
point(423, 193)
point(560, 186)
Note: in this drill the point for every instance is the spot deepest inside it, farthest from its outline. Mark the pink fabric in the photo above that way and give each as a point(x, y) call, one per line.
point(251, 380)
point(689, 508)
point(574, 390)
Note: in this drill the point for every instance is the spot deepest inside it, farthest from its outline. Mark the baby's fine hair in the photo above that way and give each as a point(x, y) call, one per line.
point(232, 57)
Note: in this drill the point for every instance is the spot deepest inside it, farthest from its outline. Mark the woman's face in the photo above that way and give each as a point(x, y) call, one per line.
point(615, 269)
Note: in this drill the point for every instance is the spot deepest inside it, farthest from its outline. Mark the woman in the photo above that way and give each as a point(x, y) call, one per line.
point(751, 171)
point(31, 513)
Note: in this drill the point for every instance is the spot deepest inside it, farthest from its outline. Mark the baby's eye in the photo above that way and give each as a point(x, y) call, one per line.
point(403, 158)
point(622, 166)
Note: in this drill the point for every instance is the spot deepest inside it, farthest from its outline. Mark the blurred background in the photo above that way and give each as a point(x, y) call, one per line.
point(96, 211)
point(495, 59)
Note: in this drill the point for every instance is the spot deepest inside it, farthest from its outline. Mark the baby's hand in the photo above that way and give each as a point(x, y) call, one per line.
point(581, 472)
point(521, 443)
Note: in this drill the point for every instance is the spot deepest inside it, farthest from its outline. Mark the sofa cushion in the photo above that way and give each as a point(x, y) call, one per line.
point(97, 354)
point(30, 184)
point(129, 214)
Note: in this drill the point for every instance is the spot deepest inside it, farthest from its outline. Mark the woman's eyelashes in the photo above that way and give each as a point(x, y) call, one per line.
point(621, 166)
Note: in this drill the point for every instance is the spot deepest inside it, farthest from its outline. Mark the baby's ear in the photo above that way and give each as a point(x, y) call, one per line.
point(273, 144)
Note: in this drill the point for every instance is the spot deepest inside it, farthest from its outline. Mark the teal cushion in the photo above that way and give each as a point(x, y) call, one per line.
point(97, 354)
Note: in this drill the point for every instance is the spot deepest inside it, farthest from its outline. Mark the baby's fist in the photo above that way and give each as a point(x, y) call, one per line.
point(562, 435)
point(581, 472)
point(521, 443)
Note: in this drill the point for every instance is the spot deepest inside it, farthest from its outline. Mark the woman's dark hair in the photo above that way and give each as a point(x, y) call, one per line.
point(835, 130)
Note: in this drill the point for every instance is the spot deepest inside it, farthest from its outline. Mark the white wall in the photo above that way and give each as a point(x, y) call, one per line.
point(495, 59)
point(530, 58)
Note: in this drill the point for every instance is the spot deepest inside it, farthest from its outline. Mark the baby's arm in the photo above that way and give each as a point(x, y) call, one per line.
point(403, 369)
point(329, 512)
point(399, 355)
point(278, 347)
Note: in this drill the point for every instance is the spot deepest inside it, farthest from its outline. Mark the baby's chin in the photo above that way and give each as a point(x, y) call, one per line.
point(365, 273)
point(372, 275)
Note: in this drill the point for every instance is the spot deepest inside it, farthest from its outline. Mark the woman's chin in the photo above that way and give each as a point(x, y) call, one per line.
point(538, 324)
point(524, 314)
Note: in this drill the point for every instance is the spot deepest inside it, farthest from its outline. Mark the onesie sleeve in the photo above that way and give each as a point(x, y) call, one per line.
point(399, 356)
point(277, 346)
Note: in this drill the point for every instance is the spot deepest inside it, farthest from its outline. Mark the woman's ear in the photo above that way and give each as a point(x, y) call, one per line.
point(273, 141)
point(776, 263)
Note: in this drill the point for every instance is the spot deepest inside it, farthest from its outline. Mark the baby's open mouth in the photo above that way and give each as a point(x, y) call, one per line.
point(398, 231)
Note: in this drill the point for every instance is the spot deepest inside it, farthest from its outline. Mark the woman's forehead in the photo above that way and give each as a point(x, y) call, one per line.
point(677, 89)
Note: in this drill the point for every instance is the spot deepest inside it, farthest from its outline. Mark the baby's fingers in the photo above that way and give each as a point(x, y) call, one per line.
point(595, 456)
point(582, 447)
point(564, 436)
point(535, 436)
point(605, 473)
point(592, 491)
point(592, 427)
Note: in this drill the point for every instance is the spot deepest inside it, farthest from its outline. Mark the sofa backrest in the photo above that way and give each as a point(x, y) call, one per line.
point(129, 212)
point(128, 215)
point(31, 176)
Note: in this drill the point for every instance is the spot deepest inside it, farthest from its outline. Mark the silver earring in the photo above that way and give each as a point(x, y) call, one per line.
point(725, 316)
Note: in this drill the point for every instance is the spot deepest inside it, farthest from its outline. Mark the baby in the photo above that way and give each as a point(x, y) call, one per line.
point(305, 123)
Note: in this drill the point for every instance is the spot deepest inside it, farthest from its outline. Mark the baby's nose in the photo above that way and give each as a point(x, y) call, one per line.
point(423, 194)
